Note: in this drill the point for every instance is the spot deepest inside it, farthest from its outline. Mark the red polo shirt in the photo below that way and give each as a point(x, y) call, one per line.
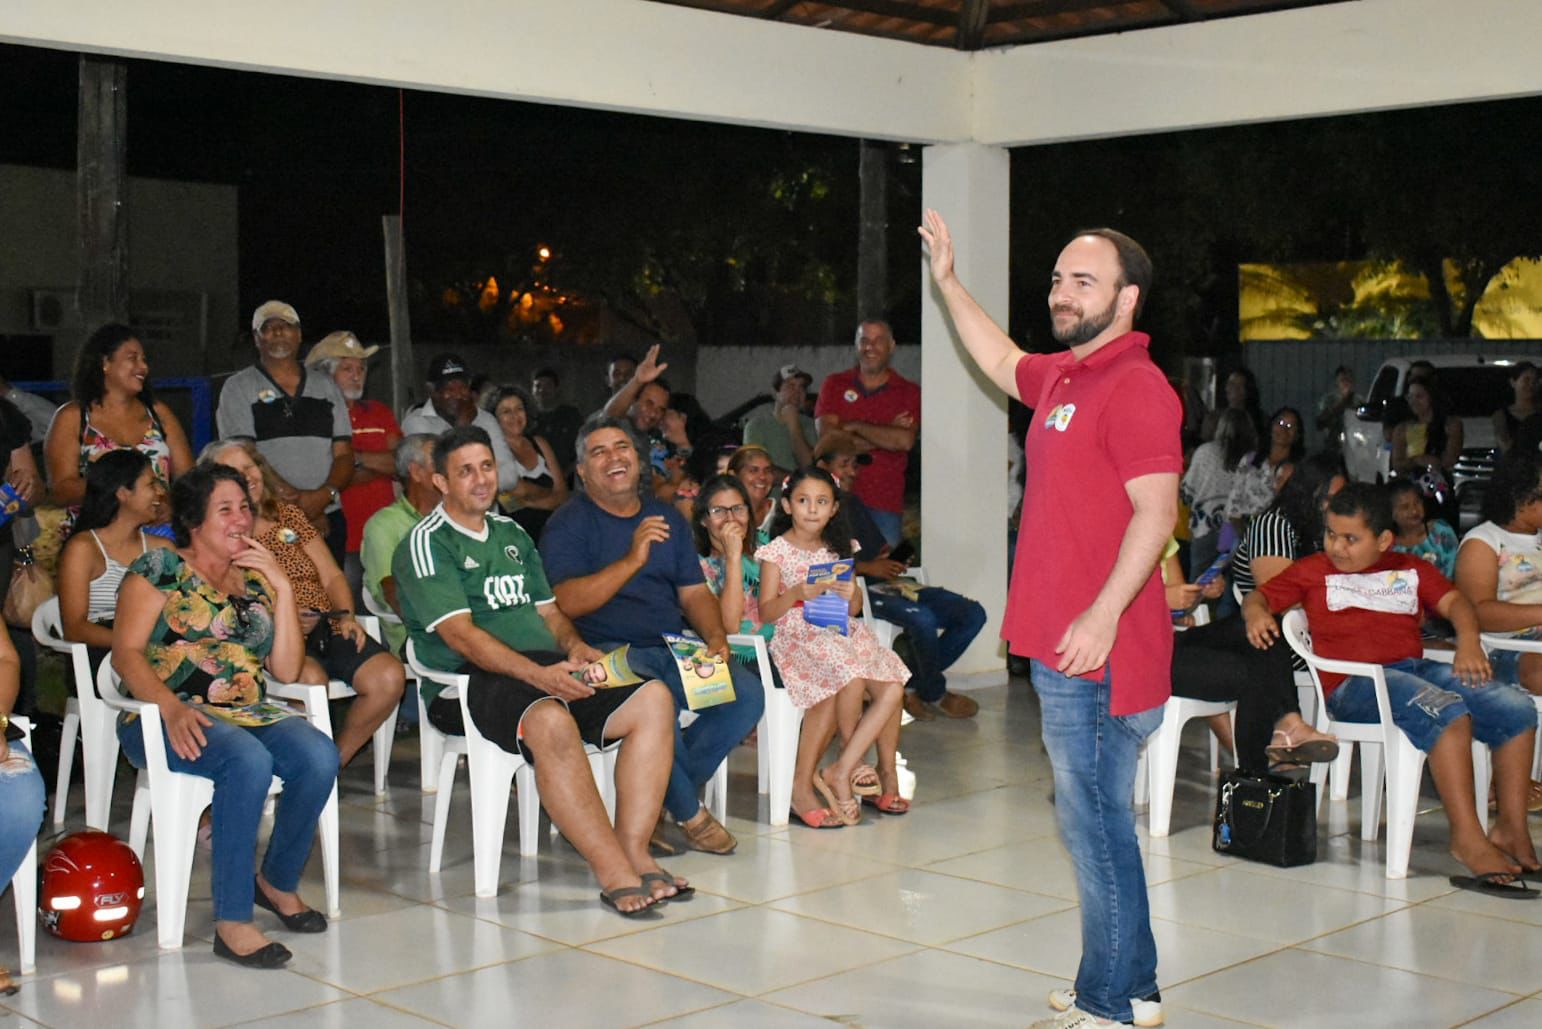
point(882, 483)
point(373, 425)
point(1097, 424)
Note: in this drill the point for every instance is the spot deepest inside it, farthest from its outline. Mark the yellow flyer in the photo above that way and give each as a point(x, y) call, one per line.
point(704, 675)
point(610, 671)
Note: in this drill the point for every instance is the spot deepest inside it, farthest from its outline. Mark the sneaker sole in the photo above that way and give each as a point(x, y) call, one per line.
point(1144, 1017)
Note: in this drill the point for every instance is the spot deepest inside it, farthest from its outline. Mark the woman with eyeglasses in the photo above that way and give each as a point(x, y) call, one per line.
point(1263, 472)
point(199, 627)
point(720, 521)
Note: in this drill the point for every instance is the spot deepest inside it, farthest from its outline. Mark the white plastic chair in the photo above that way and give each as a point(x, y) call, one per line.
point(1492, 641)
point(385, 735)
point(492, 769)
point(776, 739)
point(24, 885)
point(1386, 754)
point(431, 742)
point(174, 801)
point(84, 711)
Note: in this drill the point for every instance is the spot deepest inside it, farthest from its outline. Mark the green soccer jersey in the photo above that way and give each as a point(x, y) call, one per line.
point(441, 569)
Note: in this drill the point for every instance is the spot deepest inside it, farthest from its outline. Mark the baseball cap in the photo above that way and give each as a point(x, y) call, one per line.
point(337, 345)
point(274, 309)
point(789, 371)
point(834, 444)
point(447, 366)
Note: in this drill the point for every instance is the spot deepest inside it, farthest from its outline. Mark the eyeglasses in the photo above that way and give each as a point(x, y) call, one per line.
point(1285, 423)
point(735, 510)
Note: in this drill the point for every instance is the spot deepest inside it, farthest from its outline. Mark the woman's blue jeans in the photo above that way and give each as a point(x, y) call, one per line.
point(1094, 754)
point(242, 762)
point(21, 809)
point(716, 731)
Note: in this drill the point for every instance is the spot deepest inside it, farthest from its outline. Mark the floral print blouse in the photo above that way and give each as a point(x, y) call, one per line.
point(207, 646)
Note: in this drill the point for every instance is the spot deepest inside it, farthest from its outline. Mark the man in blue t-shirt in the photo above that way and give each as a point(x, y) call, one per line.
point(624, 568)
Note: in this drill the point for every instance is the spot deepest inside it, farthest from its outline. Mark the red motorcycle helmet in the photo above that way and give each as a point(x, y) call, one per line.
point(92, 888)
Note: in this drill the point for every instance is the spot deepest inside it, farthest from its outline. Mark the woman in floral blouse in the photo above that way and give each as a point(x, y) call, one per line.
point(197, 630)
point(336, 646)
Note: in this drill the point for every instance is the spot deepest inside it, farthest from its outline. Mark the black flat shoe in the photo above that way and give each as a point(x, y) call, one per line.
point(307, 921)
point(274, 955)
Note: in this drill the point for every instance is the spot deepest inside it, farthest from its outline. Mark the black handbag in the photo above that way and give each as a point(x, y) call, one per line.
point(1266, 818)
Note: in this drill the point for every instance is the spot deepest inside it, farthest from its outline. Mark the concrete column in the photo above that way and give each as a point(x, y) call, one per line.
point(963, 416)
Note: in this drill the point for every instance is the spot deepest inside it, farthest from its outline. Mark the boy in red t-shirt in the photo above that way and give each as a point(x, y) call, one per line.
point(1364, 602)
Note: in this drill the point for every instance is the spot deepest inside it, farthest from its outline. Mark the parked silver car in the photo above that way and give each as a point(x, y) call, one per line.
point(1475, 385)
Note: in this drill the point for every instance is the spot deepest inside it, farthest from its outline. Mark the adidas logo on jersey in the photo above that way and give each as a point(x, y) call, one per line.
point(470, 563)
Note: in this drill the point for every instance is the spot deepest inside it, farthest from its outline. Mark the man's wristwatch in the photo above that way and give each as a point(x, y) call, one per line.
point(337, 498)
point(5, 723)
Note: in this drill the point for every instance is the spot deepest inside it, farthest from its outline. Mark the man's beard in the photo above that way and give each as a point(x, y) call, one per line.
point(354, 395)
point(1086, 328)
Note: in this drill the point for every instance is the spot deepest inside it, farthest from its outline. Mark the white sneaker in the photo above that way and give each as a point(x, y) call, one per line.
point(1074, 1018)
point(1148, 1013)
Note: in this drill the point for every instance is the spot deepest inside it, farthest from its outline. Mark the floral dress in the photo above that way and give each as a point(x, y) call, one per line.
point(207, 646)
point(814, 662)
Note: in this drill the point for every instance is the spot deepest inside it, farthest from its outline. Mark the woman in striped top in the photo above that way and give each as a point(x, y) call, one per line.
point(122, 496)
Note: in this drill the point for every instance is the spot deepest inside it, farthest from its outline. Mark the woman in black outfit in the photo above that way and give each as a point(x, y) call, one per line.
point(1216, 662)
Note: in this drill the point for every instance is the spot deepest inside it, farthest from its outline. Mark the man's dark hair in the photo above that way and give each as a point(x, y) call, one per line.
point(1342, 369)
point(89, 383)
point(547, 373)
point(190, 497)
point(1365, 500)
point(1134, 264)
point(837, 531)
point(451, 441)
point(1301, 499)
point(594, 423)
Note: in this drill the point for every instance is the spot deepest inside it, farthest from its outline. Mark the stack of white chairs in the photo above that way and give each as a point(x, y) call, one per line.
point(174, 801)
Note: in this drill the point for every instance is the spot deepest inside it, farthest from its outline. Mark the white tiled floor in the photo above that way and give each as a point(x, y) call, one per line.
point(961, 913)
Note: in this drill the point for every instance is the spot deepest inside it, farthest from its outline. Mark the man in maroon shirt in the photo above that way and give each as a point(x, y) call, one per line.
point(882, 409)
point(1086, 603)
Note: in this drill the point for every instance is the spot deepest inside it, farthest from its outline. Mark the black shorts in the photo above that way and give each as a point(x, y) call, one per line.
point(498, 705)
point(337, 654)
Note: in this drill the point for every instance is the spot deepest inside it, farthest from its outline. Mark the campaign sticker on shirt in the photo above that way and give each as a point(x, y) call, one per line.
point(267, 396)
point(1059, 417)
point(1394, 592)
point(850, 395)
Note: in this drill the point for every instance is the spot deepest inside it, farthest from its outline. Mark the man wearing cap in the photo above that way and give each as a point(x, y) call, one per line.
point(939, 623)
point(785, 432)
point(451, 403)
point(882, 409)
point(341, 356)
point(299, 422)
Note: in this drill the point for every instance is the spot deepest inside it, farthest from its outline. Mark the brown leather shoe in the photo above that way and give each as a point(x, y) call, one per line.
point(707, 834)
point(917, 708)
point(658, 843)
point(956, 705)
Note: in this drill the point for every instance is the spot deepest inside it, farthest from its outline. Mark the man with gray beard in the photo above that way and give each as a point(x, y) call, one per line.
point(375, 435)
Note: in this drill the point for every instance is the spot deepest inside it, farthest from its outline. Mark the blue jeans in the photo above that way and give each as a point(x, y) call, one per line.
point(940, 625)
point(1093, 754)
point(1426, 697)
point(242, 762)
point(21, 809)
point(716, 731)
point(890, 523)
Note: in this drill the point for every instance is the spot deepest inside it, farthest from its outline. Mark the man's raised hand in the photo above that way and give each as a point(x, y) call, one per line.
point(939, 245)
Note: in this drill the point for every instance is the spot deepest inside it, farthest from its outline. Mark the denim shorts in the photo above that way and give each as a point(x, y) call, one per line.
point(1427, 696)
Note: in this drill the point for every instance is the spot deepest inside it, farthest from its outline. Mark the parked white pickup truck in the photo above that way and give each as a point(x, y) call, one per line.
point(1476, 385)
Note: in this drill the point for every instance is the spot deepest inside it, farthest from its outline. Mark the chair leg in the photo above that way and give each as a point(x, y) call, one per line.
point(1162, 757)
point(779, 743)
point(177, 803)
point(66, 759)
point(1404, 770)
point(430, 750)
point(384, 737)
point(99, 746)
point(1372, 776)
point(1482, 775)
point(446, 782)
point(139, 820)
point(529, 799)
point(489, 816)
point(1143, 779)
point(327, 828)
point(24, 892)
point(763, 755)
point(716, 794)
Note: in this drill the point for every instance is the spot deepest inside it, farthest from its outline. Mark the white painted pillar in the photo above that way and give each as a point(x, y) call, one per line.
point(963, 416)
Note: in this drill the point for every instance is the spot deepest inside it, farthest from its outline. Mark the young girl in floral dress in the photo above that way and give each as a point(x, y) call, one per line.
point(826, 673)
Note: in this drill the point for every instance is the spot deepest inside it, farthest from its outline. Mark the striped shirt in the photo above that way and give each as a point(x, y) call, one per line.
point(1268, 535)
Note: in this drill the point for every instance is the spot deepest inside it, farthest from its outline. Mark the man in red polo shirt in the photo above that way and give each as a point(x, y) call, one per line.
point(1086, 603)
point(341, 356)
point(882, 409)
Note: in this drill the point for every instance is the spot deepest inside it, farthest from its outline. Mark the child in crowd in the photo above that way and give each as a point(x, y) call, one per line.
point(1417, 533)
point(720, 521)
point(1363, 603)
point(823, 669)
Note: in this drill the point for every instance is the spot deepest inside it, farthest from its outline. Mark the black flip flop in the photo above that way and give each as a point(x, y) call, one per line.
point(609, 897)
point(682, 893)
point(1491, 884)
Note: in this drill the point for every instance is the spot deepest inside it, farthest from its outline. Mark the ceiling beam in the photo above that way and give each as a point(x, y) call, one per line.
point(1184, 10)
point(897, 9)
point(778, 8)
point(1042, 9)
point(971, 24)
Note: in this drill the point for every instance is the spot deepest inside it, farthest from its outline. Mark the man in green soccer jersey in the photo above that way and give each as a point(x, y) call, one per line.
point(475, 600)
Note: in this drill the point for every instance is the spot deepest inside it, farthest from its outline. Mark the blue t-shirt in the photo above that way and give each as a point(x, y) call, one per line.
point(580, 539)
